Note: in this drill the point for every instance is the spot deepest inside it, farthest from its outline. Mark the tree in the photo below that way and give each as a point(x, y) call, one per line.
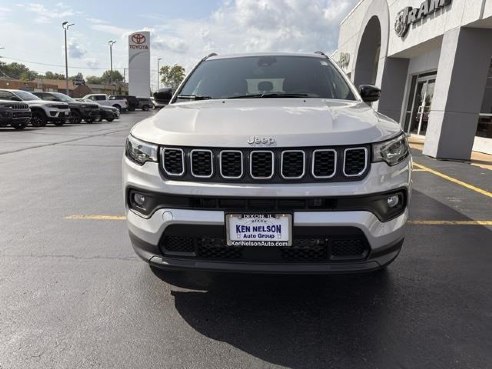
point(51, 75)
point(114, 76)
point(171, 76)
point(107, 77)
point(94, 80)
point(17, 71)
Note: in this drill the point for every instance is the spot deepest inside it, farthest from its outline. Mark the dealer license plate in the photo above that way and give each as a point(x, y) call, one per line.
point(259, 229)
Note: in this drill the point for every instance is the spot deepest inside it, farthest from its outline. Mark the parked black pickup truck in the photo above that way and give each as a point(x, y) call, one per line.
point(87, 111)
point(15, 114)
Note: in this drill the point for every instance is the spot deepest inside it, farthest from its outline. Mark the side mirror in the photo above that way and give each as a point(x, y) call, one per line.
point(369, 93)
point(163, 96)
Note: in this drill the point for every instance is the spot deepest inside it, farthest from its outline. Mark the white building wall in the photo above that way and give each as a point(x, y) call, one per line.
point(425, 62)
point(459, 13)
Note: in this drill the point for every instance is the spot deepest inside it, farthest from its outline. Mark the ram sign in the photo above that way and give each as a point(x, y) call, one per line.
point(139, 64)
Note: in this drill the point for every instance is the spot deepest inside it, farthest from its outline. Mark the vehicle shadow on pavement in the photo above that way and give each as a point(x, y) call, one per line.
point(293, 321)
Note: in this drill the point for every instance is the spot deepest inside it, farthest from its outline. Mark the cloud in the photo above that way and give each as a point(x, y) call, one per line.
point(75, 50)
point(96, 20)
point(113, 30)
point(4, 11)
point(92, 62)
point(173, 44)
point(56, 12)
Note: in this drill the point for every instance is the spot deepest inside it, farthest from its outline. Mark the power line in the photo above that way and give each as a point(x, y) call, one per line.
point(54, 65)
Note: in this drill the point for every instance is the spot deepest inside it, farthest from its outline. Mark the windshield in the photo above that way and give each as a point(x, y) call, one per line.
point(62, 97)
point(26, 96)
point(266, 76)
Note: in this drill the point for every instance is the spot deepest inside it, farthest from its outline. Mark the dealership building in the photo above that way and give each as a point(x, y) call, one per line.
point(432, 60)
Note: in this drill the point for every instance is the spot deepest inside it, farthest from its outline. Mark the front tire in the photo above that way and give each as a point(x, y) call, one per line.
point(38, 119)
point(145, 108)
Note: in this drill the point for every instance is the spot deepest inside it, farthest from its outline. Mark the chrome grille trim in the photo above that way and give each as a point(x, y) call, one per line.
point(163, 155)
point(313, 162)
point(211, 163)
point(220, 164)
point(272, 155)
point(345, 161)
point(303, 164)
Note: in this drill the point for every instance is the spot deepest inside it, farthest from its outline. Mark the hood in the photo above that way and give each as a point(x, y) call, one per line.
point(80, 103)
point(45, 102)
point(289, 122)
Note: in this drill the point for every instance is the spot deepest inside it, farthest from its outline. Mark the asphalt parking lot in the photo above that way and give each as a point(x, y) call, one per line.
point(74, 295)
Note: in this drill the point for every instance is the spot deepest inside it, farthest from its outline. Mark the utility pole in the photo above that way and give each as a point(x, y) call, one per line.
point(111, 43)
point(158, 73)
point(66, 25)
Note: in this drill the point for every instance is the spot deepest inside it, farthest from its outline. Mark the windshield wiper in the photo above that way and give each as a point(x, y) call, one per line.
point(268, 95)
point(194, 97)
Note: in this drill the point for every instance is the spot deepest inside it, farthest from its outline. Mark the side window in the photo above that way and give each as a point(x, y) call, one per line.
point(99, 97)
point(47, 97)
point(5, 95)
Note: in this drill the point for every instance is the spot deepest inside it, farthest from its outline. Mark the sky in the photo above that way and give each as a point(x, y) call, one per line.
point(182, 31)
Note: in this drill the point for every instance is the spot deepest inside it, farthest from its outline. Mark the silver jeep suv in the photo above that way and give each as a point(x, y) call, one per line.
point(268, 163)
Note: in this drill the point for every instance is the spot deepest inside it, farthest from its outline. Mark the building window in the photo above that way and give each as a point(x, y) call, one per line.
point(484, 128)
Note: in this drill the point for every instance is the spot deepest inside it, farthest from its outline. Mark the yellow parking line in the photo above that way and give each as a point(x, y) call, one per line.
point(96, 217)
point(419, 170)
point(413, 222)
point(454, 180)
point(452, 222)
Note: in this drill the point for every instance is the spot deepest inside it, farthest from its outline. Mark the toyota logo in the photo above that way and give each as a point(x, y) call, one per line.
point(138, 38)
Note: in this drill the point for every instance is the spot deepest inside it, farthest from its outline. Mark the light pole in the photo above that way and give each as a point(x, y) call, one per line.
point(158, 74)
point(66, 25)
point(111, 43)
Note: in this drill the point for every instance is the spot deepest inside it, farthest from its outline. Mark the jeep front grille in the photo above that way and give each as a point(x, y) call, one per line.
point(260, 165)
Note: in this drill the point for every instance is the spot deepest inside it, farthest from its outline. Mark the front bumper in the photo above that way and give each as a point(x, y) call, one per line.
point(58, 115)
point(384, 239)
point(17, 116)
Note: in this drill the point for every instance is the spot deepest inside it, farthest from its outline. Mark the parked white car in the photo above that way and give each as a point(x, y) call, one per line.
point(103, 99)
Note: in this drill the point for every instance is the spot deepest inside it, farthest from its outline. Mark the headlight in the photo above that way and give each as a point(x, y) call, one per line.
point(392, 152)
point(140, 151)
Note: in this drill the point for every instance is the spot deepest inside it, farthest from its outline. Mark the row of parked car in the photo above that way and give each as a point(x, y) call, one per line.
point(18, 108)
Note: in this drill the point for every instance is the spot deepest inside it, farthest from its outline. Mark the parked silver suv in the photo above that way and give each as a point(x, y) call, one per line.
point(268, 163)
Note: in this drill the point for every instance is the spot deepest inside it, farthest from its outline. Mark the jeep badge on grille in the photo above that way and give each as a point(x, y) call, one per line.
point(255, 140)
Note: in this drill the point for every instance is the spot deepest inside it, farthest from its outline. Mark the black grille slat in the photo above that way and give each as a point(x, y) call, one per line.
point(179, 244)
point(231, 164)
point(293, 163)
point(201, 163)
point(348, 248)
point(355, 161)
point(262, 163)
point(173, 161)
point(324, 163)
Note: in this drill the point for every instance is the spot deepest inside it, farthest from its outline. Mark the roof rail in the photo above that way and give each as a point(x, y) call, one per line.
point(209, 55)
point(321, 53)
